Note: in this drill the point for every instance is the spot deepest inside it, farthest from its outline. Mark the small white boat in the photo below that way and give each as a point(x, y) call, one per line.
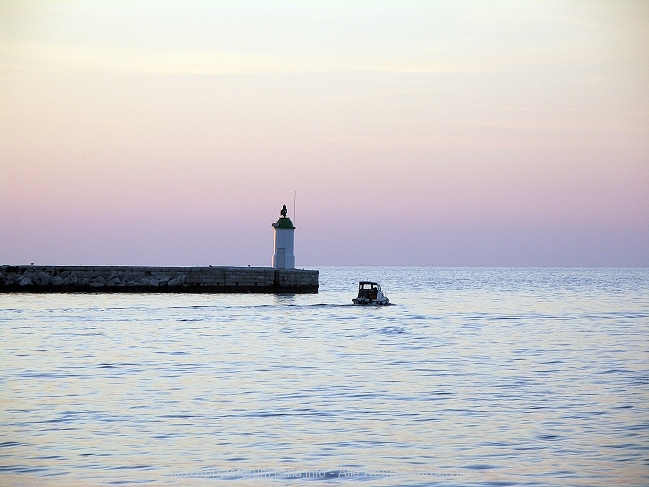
point(370, 293)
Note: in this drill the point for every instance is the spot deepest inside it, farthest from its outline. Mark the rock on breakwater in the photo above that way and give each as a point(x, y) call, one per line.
point(127, 279)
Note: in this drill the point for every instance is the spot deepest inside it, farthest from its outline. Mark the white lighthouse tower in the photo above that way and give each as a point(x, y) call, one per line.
point(284, 234)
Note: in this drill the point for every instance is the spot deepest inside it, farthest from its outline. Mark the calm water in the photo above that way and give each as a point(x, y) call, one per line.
point(473, 377)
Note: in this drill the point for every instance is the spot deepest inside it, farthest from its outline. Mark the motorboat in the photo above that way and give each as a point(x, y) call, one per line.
point(369, 293)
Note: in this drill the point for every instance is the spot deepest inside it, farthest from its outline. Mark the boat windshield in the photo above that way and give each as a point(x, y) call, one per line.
point(368, 285)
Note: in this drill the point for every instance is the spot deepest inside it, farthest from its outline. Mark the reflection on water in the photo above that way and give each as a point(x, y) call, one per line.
point(473, 377)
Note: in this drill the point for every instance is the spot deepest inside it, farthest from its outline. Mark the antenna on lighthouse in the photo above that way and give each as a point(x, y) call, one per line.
point(294, 195)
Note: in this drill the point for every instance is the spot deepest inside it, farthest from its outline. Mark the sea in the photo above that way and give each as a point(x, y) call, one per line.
point(472, 376)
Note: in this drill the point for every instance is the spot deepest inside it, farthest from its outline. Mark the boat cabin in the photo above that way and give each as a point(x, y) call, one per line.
point(368, 289)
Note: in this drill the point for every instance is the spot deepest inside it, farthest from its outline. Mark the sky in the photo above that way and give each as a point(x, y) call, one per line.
point(408, 133)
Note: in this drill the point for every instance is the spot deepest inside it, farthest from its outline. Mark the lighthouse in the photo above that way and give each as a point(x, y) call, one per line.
point(284, 234)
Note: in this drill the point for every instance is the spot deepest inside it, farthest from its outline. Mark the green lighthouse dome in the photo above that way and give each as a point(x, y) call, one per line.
point(284, 223)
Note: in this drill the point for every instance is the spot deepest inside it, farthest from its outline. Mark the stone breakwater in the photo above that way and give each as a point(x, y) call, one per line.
point(139, 279)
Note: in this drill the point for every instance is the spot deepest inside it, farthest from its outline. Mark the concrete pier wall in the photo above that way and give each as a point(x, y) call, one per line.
point(137, 279)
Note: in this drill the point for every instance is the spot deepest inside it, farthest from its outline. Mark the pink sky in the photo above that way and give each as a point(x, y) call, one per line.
point(415, 133)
